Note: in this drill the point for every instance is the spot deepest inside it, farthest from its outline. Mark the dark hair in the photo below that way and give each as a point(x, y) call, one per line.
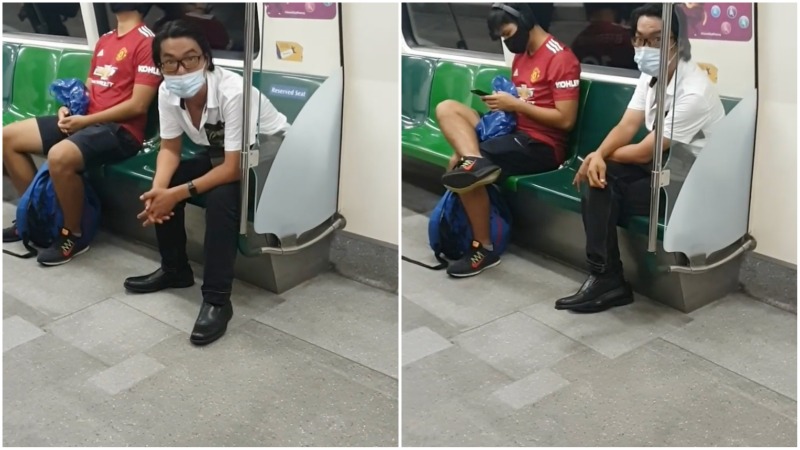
point(181, 29)
point(592, 8)
point(677, 27)
point(498, 17)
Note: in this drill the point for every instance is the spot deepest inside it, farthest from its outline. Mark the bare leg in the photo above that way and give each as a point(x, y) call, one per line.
point(478, 208)
point(458, 123)
point(20, 140)
point(65, 162)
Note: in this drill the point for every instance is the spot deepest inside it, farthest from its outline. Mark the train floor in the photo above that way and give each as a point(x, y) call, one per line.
point(488, 361)
point(85, 364)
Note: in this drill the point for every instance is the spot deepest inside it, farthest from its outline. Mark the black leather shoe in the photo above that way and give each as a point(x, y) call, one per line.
point(159, 280)
point(598, 293)
point(211, 323)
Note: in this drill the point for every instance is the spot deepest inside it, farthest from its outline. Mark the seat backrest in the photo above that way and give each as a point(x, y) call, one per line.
point(417, 78)
point(9, 60)
point(34, 71)
point(604, 107)
point(451, 81)
point(729, 103)
point(72, 64)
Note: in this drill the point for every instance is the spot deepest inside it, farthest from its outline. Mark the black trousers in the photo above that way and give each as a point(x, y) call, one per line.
point(222, 231)
point(627, 194)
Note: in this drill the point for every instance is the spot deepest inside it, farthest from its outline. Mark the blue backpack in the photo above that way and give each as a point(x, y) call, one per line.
point(449, 232)
point(39, 217)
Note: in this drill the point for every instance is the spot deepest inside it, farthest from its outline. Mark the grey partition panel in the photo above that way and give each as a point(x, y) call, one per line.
point(711, 210)
point(301, 188)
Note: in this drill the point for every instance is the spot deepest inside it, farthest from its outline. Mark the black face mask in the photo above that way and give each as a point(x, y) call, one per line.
point(518, 42)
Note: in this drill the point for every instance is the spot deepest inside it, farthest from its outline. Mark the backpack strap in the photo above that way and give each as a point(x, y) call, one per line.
point(442, 262)
point(31, 251)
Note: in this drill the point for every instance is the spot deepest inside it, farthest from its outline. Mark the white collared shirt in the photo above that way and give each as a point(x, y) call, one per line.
point(221, 123)
point(691, 108)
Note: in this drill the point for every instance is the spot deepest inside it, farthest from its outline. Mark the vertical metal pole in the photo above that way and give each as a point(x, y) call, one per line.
point(247, 74)
point(661, 88)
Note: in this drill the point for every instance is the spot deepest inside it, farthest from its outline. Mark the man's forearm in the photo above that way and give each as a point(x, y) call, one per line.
point(166, 164)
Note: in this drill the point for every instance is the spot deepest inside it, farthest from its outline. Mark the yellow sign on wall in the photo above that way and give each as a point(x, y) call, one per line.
point(289, 51)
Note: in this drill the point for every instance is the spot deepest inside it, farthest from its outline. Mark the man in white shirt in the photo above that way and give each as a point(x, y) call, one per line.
point(204, 103)
point(619, 171)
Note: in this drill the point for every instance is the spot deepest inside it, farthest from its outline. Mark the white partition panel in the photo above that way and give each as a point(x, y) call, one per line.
point(300, 191)
point(711, 210)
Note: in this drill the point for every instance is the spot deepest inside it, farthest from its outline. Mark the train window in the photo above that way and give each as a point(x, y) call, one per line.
point(598, 33)
point(449, 25)
point(52, 19)
point(223, 23)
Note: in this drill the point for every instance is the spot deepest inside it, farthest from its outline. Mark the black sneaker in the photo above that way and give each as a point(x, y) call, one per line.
point(469, 174)
point(11, 234)
point(474, 262)
point(65, 247)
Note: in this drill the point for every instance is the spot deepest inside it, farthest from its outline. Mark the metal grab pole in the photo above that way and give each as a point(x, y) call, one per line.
point(249, 34)
point(658, 150)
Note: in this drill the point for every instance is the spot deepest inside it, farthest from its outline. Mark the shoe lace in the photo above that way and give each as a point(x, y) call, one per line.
point(66, 246)
point(466, 163)
point(476, 257)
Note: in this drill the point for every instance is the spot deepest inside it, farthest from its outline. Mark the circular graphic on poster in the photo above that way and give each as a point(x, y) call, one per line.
point(744, 22)
point(719, 21)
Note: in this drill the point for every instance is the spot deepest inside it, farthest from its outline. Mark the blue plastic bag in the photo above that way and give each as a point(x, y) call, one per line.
point(71, 93)
point(498, 123)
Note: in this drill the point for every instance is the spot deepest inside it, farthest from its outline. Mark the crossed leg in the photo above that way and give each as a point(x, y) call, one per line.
point(457, 122)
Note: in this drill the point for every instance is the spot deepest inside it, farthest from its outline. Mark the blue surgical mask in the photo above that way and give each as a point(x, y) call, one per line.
point(648, 59)
point(186, 85)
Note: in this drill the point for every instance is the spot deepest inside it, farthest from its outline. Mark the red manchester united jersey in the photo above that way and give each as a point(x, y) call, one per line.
point(118, 63)
point(551, 74)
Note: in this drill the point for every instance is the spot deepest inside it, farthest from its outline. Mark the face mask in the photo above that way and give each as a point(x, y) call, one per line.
point(518, 42)
point(186, 85)
point(649, 60)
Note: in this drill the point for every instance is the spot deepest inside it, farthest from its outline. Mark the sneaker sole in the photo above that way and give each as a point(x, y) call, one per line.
point(612, 298)
point(51, 264)
point(490, 178)
point(472, 274)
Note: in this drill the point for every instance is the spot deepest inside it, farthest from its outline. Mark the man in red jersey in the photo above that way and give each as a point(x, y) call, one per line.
point(604, 42)
point(547, 77)
point(122, 83)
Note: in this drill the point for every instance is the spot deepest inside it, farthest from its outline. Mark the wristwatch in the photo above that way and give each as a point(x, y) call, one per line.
point(192, 189)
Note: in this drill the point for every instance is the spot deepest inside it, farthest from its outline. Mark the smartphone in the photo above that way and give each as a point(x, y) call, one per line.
point(480, 92)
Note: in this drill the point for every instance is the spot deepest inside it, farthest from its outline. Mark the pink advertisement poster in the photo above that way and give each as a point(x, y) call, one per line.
point(324, 11)
point(719, 21)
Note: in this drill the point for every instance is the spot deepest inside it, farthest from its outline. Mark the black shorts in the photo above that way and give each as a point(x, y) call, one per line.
point(519, 154)
point(99, 144)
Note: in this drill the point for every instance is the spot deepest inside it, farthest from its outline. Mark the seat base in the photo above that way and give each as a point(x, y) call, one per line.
point(274, 273)
point(559, 233)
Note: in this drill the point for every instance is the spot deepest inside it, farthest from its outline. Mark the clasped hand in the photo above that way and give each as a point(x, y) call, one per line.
point(158, 206)
point(593, 169)
point(501, 101)
point(70, 124)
